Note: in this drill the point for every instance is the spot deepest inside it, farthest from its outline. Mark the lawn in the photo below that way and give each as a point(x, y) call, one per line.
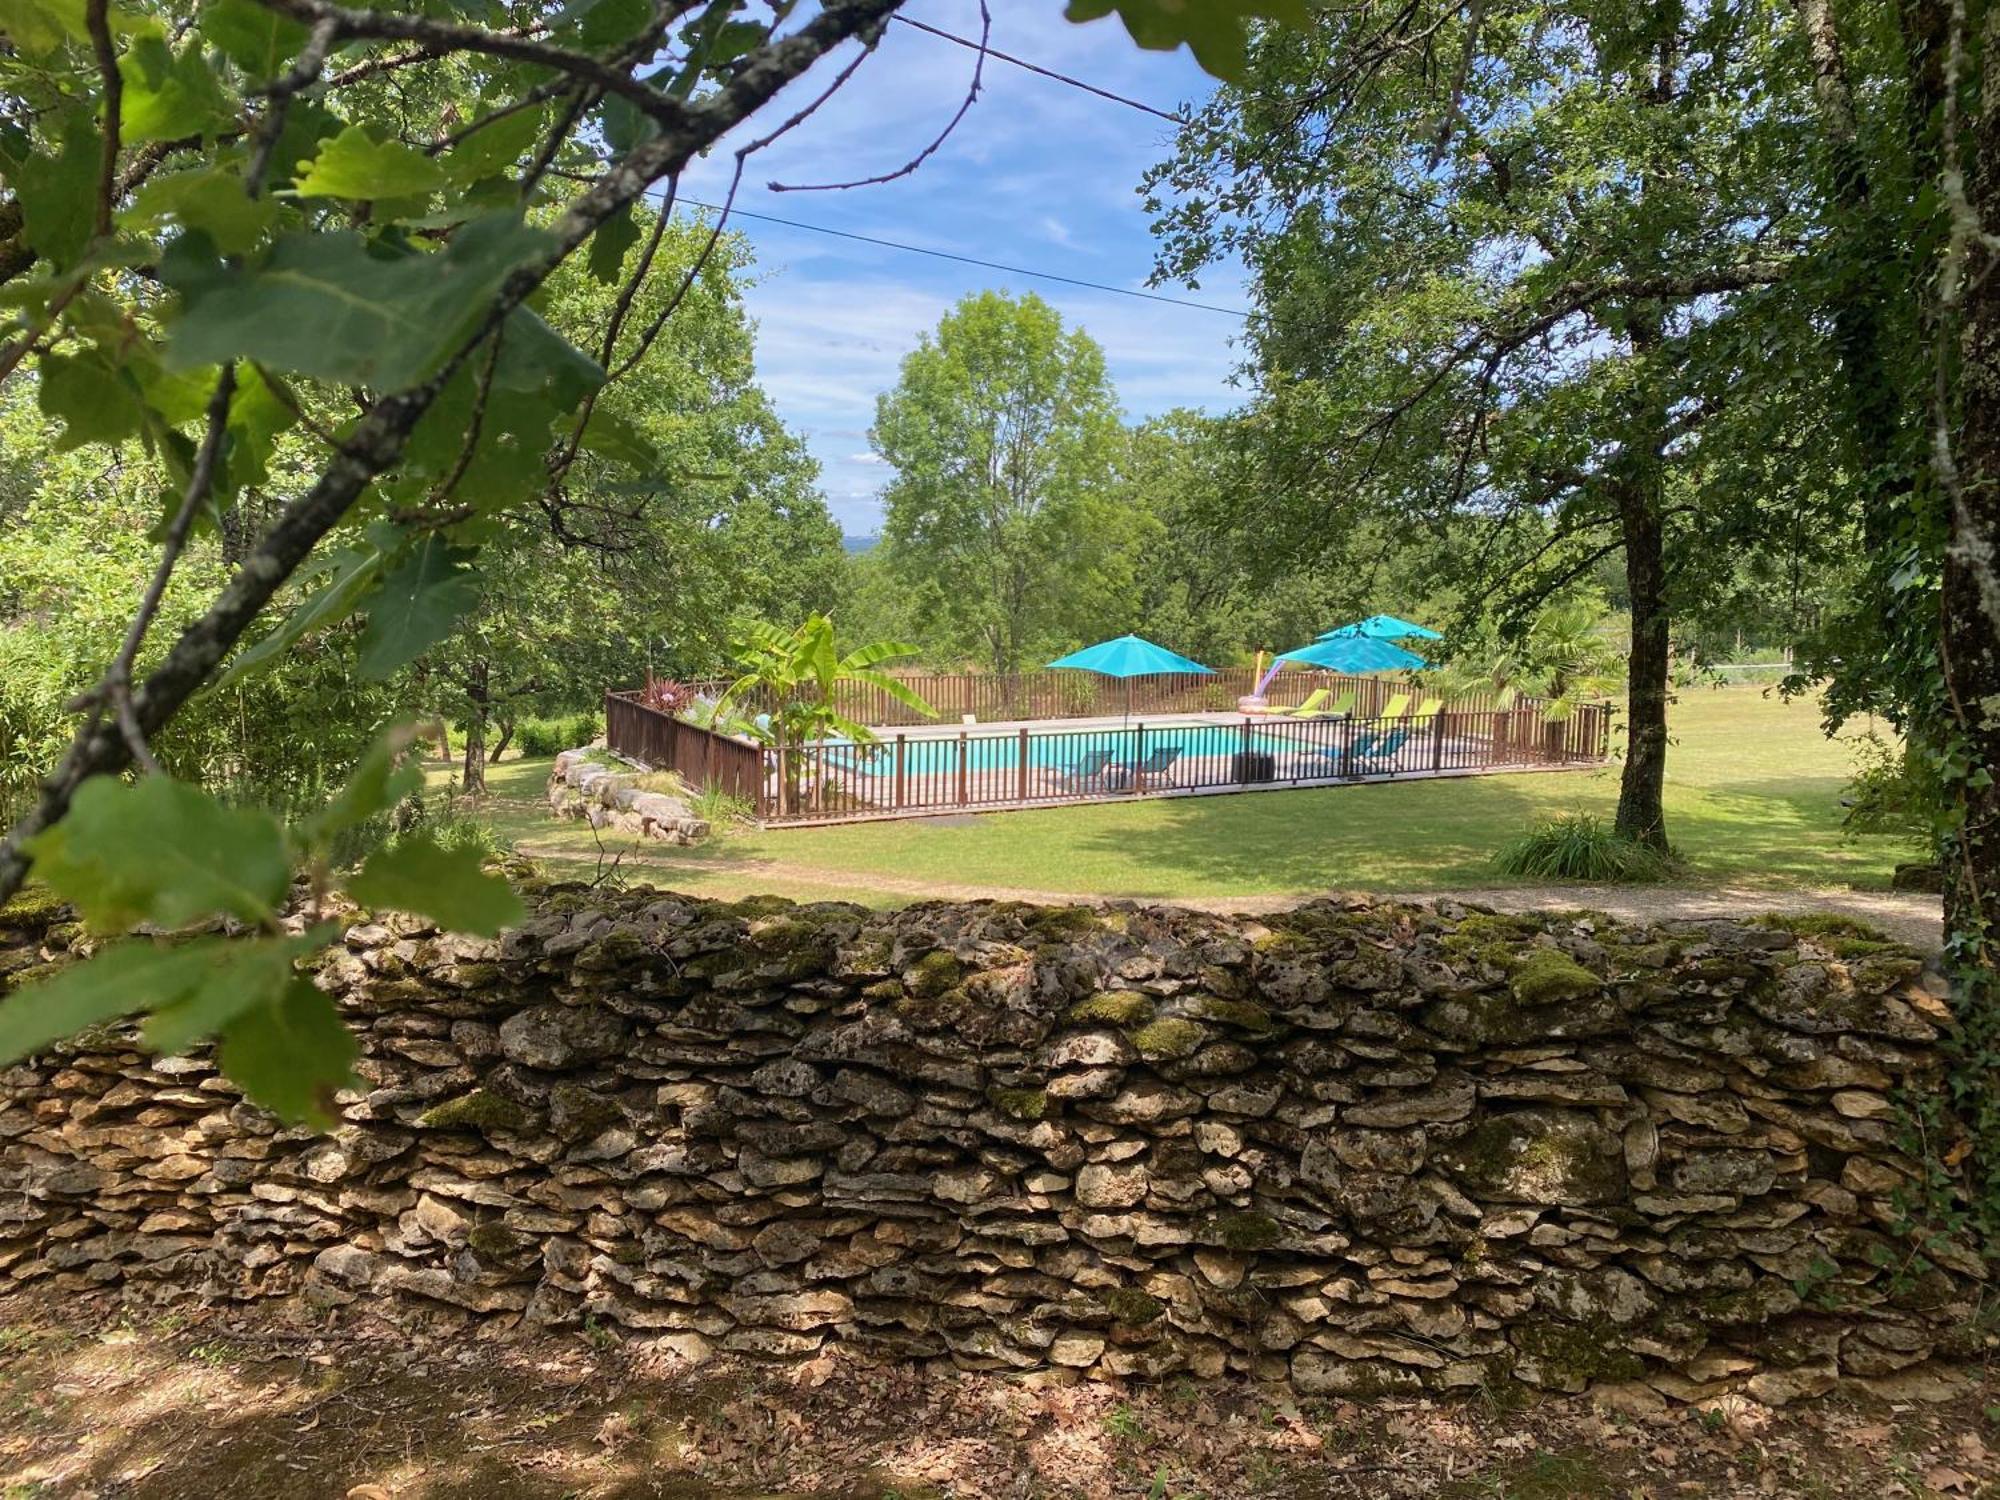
point(1753, 800)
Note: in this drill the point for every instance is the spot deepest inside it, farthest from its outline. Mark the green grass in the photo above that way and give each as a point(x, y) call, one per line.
point(1752, 799)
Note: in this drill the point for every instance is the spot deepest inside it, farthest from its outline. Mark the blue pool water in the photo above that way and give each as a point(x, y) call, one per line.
point(1058, 752)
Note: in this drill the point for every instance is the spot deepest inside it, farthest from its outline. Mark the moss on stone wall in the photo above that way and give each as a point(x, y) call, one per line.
point(1376, 1148)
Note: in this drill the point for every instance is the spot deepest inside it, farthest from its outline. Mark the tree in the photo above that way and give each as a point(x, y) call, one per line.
point(1003, 433)
point(654, 564)
point(1213, 585)
point(229, 221)
point(1566, 655)
point(796, 674)
point(1523, 273)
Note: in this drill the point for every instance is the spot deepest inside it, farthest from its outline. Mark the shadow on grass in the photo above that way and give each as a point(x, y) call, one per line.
point(1419, 835)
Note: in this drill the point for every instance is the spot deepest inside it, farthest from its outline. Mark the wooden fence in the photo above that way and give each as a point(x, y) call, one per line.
point(907, 774)
point(702, 758)
point(1085, 695)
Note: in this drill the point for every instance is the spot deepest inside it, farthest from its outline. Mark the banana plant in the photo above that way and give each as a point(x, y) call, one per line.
point(796, 674)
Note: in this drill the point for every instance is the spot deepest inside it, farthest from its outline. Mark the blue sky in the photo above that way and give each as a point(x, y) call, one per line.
point(1037, 175)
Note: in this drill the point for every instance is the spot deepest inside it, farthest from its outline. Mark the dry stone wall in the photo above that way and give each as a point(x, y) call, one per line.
point(599, 788)
point(1367, 1148)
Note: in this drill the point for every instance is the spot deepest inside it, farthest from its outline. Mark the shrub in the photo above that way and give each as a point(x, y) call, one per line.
point(1893, 792)
point(666, 695)
point(718, 808)
point(535, 737)
point(1576, 846)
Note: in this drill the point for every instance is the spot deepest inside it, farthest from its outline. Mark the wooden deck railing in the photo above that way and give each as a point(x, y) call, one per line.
point(702, 758)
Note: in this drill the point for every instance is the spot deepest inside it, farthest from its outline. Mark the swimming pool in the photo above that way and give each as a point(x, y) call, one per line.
point(1060, 752)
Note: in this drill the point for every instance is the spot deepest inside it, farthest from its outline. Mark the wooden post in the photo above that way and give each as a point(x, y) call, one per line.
point(1243, 752)
point(1138, 758)
point(961, 768)
point(1437, 739)
point(902, 760)
point(1021, 769)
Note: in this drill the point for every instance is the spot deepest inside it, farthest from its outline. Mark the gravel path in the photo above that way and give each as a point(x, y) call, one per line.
point(1906, 916)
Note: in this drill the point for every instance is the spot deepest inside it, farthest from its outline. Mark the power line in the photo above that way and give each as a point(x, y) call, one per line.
point(970, 260)
point(1022, 62)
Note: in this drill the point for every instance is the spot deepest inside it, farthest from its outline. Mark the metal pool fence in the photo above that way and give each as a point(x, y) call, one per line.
point(906, 774)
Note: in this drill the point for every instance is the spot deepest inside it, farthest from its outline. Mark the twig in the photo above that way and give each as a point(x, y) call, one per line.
point(96, 18)
point(281, 91)
point(377, 441)
point(450, 36)
point(964, 108)
point(116, 688)
point(479, 400)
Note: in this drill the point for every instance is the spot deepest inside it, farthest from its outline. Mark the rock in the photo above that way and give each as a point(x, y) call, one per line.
point(556, 1037)
point(1102, 1186)
point(349, 1265)
point(1448, 1101)
point(1628, 1398)
point(1545, 1156)
point(1076, 1348)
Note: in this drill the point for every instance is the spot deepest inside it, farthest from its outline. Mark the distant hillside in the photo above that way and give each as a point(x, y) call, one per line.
point(859, 543)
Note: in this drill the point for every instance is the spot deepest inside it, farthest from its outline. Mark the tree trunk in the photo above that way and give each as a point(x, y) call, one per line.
point(500, 745)
point(1641, 815)
point(1636, 478)
point(1970, 603)
point(474, 780)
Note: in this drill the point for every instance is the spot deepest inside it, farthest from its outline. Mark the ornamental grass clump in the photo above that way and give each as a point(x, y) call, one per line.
point(1577, 846)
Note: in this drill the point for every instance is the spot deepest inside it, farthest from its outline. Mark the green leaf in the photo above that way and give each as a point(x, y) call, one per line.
point(258, 40)
point(39, 26)
point(322, 305)
point(256, 416)
point(352, 571)
point(116, 982)
point(58, 191)
point(611, 435)
point(166, 94)
point(291, 1055)
point(603, 24)
point(496, 148)
point(384, 777)
point(159, 850)
point(1215, 31)
point(355, 165)
point(90, 396)
point(446, 885)
point(418, 605)
point(211, 200)
point(608, 247)
point(235, 974)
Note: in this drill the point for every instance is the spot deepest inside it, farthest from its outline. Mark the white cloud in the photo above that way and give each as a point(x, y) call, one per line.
point(1037, 175)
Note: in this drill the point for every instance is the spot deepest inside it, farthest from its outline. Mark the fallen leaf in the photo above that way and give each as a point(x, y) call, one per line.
point(1947, 1480)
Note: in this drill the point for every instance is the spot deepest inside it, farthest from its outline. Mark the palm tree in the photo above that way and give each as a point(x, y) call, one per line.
point(1564, 656)
point(798, 673)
